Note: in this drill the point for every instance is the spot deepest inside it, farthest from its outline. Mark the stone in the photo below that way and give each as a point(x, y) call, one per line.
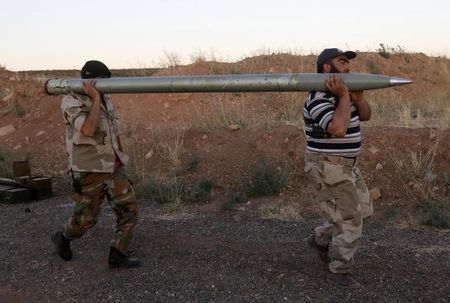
point(375, 193)
point(149, 154)
point(6, 130)
point(373, 150)
point(234, 127)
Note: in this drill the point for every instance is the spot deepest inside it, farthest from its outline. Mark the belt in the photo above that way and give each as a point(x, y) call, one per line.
point(346, 161)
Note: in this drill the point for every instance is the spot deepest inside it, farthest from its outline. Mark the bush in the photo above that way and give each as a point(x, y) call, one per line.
point(201, 190)
point(233, 197)
point(163, 192)
point(387, 51)
point(264, 178)
point(436, 213)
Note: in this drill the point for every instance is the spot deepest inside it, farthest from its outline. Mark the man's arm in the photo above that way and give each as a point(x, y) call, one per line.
point(341, 117)
point(363, 107)
point(90, 124)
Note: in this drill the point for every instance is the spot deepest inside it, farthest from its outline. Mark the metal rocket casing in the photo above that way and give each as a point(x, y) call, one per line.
point(223, 83)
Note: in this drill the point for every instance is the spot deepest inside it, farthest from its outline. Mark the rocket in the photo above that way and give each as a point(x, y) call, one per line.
point(293, 82)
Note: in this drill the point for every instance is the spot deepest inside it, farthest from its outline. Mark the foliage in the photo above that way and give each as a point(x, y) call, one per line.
point(233, 197)
point(201, 190)
point(19, 110)
point(387, 51)
point(264, 178)
point(162, 191)
point(436, 213)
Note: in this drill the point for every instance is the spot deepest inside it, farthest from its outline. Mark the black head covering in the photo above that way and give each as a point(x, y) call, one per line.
point(95, 69)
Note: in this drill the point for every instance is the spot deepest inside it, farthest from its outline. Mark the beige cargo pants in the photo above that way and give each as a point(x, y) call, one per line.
point(344, 201)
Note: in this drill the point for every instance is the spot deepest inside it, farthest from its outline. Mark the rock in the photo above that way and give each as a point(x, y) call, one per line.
point(433, 133)
point(234, 127)
point(375, 193)
point(149, 154)
point(9, 94)
point(166, 105)
point(379, 166)
point(373, 150)
point(17, 147)
point(204, 137)
point(40, 133)
point(6, 130)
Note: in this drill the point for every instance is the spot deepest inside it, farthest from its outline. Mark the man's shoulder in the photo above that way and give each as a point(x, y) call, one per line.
point(72, 100)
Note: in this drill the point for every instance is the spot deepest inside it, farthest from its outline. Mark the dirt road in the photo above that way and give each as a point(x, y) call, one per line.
point(194, 256)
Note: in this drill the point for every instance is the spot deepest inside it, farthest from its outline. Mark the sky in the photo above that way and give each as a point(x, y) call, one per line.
point(50, 34)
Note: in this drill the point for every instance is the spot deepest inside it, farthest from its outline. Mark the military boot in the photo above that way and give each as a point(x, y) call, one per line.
point(321, 251)
point(343, 280)
point(62, 245)
point(118, 259)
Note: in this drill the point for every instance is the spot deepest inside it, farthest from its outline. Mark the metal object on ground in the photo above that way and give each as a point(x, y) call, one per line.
point(11, 194)
point(224, 83)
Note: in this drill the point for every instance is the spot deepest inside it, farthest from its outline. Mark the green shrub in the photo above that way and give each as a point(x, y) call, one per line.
point(19, 110)
point(163, 192)
point(264, 178)
point(436, 213)
point(233, 197)
point(201, 190)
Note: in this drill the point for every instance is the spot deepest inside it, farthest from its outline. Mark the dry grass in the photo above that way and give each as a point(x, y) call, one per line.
point(281, 211)
point(428, 109)
point(168, 145)
point(417, 172)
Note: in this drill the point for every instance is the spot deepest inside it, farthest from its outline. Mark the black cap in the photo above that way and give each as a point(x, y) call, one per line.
point(95, 69)
point(330, 53)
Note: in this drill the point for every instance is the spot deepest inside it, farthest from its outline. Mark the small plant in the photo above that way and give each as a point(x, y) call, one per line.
point(387, 51)
point(192, 163)
point(172, 59)
point(169, 146)
point(372, 67)
point(233, 197)
point(19, 110)
point(163, 192)
point(420, 164)
point(391, 214)
point(201, 190)
point(436, 213)
point(264, 178)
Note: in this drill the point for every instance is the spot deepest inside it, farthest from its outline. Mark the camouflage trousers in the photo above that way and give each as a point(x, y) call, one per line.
point(120, 195)
point(344, 201)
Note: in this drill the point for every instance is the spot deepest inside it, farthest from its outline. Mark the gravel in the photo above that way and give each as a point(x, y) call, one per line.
point(197, 256)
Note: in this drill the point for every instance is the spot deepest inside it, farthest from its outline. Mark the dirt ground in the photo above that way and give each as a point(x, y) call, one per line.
point(196, 252)
point(196, 256)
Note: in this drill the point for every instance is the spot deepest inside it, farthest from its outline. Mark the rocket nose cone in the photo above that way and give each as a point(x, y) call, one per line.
point(395, 81)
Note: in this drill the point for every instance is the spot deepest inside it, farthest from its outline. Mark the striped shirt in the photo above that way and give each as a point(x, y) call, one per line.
point(318, 113)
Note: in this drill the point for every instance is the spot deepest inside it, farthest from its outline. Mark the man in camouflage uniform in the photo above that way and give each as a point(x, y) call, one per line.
point(332, 125)
point(96, 163)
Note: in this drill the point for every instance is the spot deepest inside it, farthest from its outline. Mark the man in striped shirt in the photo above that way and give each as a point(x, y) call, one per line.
point(332, 125)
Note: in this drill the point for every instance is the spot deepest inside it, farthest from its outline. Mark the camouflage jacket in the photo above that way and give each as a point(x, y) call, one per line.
point(97, 153)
